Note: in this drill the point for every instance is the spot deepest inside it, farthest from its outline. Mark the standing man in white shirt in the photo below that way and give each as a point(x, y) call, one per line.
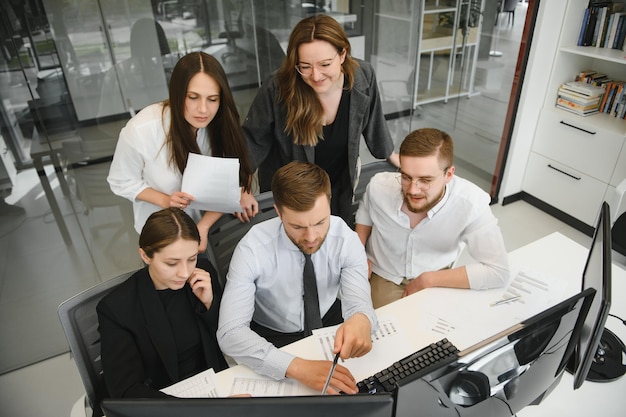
point(413, 224)
point(263, 303)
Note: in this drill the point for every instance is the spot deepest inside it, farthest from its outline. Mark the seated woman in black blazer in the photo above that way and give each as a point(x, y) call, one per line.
point(158, 327)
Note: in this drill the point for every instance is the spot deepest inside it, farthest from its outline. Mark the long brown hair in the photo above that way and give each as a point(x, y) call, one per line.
point(225, 134)
point(305, 114)
point(165, 227)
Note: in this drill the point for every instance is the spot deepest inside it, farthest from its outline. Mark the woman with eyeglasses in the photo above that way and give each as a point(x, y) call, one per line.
point(316, 108)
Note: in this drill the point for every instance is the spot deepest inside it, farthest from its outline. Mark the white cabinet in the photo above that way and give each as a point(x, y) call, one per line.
point(574, 159)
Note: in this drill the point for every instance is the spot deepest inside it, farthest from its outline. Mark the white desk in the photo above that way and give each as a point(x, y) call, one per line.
point(554, 255)
point(593, 398)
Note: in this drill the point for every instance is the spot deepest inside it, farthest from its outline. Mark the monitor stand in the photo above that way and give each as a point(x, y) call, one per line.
point(607, 365)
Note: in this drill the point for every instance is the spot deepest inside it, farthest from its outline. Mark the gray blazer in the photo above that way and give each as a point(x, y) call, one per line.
point(270, 147)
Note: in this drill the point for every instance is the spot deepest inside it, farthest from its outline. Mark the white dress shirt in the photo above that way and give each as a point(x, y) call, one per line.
point(142, 160)
point(264, 283)
point(463, 215)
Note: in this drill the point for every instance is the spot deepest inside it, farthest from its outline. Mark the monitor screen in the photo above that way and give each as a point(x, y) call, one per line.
point(597, 274)
point(362, 405)
point(504, 373)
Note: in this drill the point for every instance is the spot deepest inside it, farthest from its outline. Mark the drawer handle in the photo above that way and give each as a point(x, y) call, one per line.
point(564, 173)
point(576, 127)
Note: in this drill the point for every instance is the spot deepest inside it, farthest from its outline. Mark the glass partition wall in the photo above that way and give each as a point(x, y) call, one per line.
point(72, 72)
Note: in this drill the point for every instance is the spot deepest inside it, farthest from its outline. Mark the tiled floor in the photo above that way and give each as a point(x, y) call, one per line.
point(55, 383)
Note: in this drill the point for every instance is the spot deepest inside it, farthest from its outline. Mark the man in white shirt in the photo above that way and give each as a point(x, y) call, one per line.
point(263, 308)
point(413, 224)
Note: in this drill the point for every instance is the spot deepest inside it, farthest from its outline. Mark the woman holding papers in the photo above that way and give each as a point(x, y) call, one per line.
point(316, 108)
point(199, 117)
point(158, 327)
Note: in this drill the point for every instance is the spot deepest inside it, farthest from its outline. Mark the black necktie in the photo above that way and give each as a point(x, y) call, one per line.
point(312, 318)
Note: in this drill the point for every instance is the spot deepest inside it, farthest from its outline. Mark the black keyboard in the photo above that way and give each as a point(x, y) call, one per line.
point(420, 361)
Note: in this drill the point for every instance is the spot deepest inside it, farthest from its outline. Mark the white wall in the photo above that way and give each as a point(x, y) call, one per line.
point(538, 72)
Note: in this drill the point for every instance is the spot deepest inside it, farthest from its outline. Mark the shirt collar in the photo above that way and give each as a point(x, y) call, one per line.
point(441, 202)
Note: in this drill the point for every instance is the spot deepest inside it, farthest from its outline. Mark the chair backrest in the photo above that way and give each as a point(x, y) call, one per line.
point(367, 172)
point(618, 218)
point(509, 5)
point(80, 323)
point(228, 230)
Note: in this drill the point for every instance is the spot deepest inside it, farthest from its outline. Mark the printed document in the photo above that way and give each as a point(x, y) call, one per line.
point(214, 182)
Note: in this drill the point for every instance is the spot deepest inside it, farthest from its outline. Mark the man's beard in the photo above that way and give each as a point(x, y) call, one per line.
point(428, 204)
point(306, 250)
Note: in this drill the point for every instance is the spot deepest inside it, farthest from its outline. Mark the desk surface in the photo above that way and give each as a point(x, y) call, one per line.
point(555, 256)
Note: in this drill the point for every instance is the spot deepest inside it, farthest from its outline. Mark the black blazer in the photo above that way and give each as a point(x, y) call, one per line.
point(137, 346)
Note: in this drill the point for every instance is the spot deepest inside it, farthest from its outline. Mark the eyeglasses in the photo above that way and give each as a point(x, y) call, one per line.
point(421, 183)
point(307, 69)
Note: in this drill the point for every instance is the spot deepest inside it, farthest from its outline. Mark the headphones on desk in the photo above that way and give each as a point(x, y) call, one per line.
point(469, 388)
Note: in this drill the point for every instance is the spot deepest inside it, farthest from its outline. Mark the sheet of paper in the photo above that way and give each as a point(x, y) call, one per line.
point(258, 387)
point(202, 385)
point(388, 342)
point(536, 292)
point(214, 182)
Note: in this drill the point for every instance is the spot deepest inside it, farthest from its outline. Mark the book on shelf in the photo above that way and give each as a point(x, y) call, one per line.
point(620, 33)
point(613, 97)
point(603, 25)
point(577, 106)
point(592, 77)
point(613, 29)
point(618, 102)
point(590, 27)
point(582, 88)
point(597, 33)
point(578, 100)
point(584, 114)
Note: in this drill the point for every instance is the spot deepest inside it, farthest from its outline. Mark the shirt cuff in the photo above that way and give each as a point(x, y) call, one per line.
point(276, 363)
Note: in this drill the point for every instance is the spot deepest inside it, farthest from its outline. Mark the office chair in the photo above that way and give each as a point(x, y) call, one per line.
point(367, 172)
point(141, 79)
point(87, 167)
point(507, 7)
point(80, 324)
point(618, 217)
point(232, 33)
point(225, 234)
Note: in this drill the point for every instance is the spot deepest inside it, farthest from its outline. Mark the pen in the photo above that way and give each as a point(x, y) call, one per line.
point(506, 300)
point(330, 374)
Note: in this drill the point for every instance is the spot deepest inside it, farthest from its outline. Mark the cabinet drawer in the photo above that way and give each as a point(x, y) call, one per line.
point(571, 191)
point(577, 143)
point(620, 168)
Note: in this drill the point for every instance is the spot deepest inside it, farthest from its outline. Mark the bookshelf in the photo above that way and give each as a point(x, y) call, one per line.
point(576, 161)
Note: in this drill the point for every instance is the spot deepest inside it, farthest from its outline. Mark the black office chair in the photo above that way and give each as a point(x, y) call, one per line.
point(509, 8)
point(618, 217)
point(225, 234)
point(367, 172)
point(232, 32)
point(80, 324)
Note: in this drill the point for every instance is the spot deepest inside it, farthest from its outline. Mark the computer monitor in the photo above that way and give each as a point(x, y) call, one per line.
point(503, 374)
point(362, 405)
point(598, 355)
